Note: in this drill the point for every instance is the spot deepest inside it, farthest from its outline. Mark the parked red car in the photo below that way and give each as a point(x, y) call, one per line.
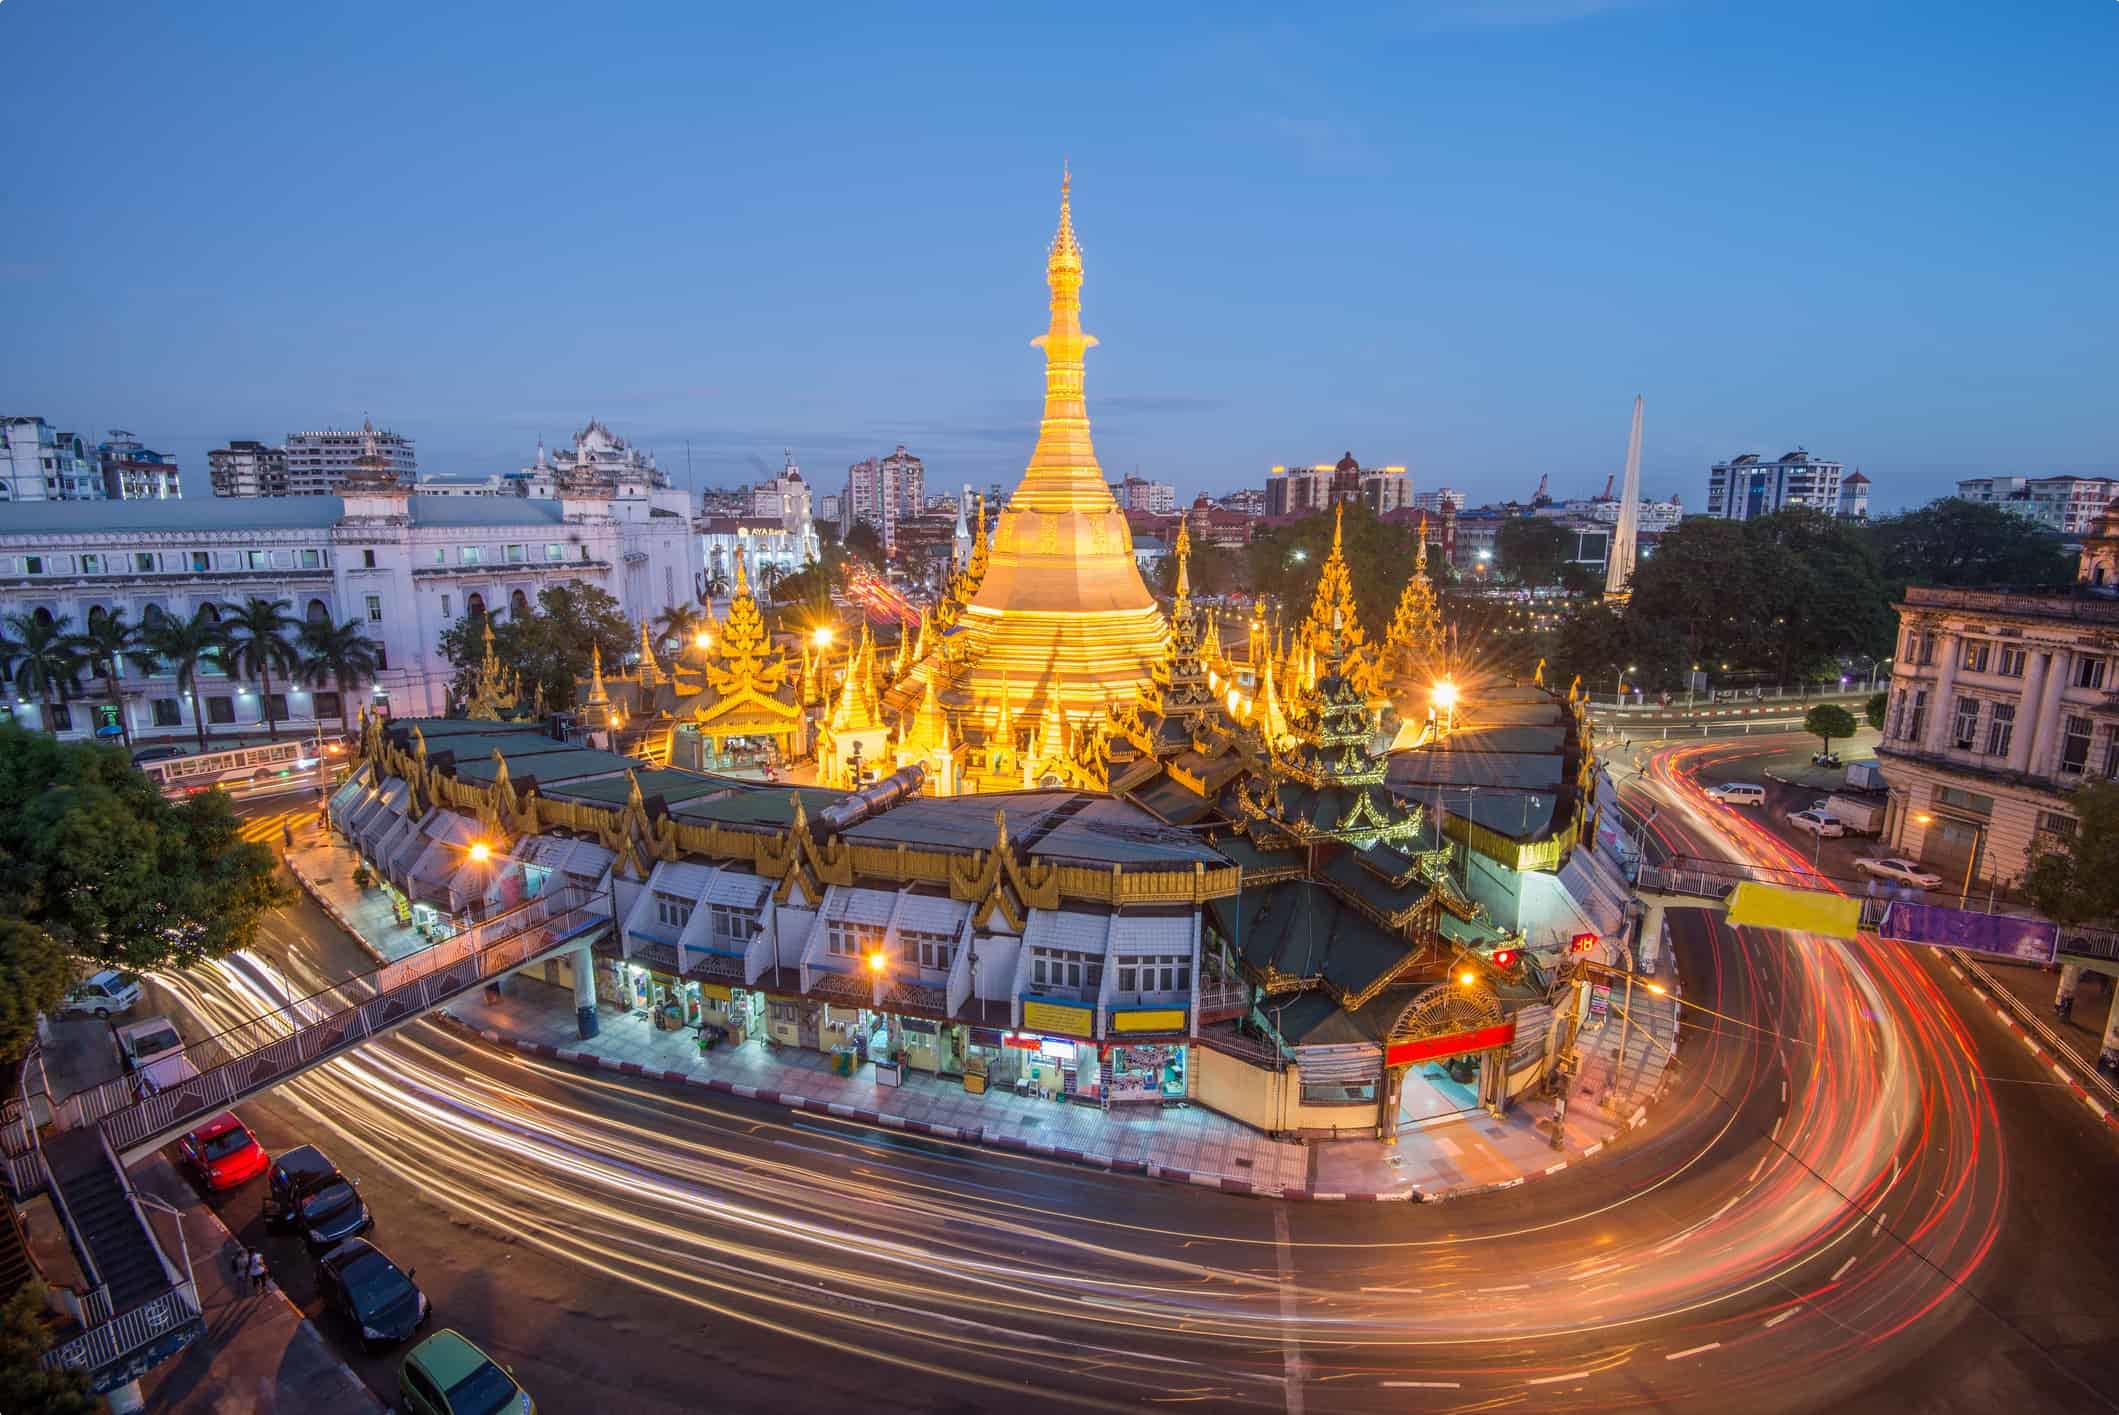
point(223, 1154)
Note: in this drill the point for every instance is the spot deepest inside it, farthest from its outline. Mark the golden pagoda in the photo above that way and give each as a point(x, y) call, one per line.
point(1058, 620)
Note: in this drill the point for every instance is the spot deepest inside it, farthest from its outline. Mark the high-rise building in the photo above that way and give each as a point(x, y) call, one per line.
point(1304, 491)
point(246, 468)
point(132, 472)
point(1441, 496)
point(40, 463)
point(319, 462)
point(1140, 494)
point(1750, 485)
point(1245, 501)
point(2067, 505)
point(879, 490)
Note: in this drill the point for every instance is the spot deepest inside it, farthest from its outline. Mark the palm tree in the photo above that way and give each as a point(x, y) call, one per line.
point(37, 654)
point(258, 647)
point(105, 647)
point(339, 655)
point(678, 624)
point(187, 645)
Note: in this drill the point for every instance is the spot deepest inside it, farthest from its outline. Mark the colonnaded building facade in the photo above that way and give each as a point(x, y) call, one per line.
point(1063, 840)
point(405, 566)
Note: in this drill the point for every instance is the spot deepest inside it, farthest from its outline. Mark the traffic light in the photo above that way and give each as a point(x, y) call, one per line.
point(1504, 957)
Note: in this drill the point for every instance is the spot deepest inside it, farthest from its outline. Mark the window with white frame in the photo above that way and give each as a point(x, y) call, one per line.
point(1064, 970)
point(1156, 973)
point(1964, 725)
point(1917, 718)
point(312, 560)
point(553, 550)
point(517, 554)
point(1976, 652)
point(91, 564)
point(2089, 673)
point(935, 951)
point(143, 561)
point(470, 555)
point(672, 911)
point(847, 939)
point(733, 924)
point(375, 609)
point(2011, 665)
point(2001, 729)
point(2111, 754)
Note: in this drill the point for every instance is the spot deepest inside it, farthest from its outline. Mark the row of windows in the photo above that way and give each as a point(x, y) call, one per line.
point(220, 710)
point(1063, 969)
point(2077, 733)
point(175, 562)
point(521, 554)
point(2004, 660)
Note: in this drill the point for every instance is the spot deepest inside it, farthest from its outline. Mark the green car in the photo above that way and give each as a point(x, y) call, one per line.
point(446, 1375)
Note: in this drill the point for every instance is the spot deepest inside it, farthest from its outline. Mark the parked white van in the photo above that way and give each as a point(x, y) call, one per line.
point(153, 1051)
point(101, 995)
point(1738, 793)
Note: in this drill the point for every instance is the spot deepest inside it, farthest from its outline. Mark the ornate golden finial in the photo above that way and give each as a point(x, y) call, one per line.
point(1066, 251)
point(1183, 552)
point(598, 694)
point(1420, 560)
point(650, 671)
point(742, 580)
point(1338, 522)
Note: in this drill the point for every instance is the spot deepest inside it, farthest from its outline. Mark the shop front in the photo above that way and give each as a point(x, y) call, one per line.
point(1441, 1078)
point(1147, 1061)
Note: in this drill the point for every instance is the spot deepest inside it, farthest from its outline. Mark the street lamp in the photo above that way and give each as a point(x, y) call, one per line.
point(702, 641)
point(1446, 703)
point(821, 636)
point(480, 852)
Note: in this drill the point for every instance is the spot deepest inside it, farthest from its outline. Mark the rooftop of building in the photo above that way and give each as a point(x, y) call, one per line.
point(2077, 602)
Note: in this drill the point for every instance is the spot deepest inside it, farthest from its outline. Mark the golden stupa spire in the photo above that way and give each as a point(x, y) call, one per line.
point(929, 729)
point(1420, 560)
point(1183, 552)
point(1063, 475)
point(857, 708)
point(598, 694)
point(650, 671)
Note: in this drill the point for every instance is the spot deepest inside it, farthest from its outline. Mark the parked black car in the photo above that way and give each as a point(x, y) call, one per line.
point(309, 1195)
point(372, 1293)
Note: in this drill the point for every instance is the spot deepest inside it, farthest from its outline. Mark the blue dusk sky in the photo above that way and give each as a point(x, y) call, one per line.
point(1455, 234)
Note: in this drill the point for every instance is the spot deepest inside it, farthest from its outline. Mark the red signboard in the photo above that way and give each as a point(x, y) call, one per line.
point(1429, 1048)
point(1010, 1039)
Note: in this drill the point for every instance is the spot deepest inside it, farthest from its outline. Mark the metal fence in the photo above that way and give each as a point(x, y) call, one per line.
point(268, 1048)
point(108, 1343)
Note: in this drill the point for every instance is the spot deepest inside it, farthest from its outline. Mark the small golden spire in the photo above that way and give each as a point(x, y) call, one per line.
point(1420, 561)
point(1066, 251)
point(598, 694)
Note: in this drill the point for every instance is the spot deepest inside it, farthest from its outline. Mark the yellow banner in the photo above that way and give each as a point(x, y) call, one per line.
point(1770, 906)
point(1057, 1020)
point(1170, 1019)
point(720, 990)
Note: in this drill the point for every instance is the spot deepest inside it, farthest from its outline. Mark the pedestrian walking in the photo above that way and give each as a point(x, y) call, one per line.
point(257, 1273)
point(239, 1263)
point(287, 834)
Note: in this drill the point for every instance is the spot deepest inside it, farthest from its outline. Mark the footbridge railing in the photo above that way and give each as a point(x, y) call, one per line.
point(288, 1040)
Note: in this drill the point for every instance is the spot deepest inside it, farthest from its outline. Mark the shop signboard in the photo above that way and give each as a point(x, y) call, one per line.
point(716, 990)
point(1500, 1034)
point(1053, 1018)
point(1149, 1019)
point(1599, 1001)
point(1021, 1042)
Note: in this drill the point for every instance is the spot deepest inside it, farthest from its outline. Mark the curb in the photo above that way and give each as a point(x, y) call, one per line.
point(1227, 1184)
point(314, 891)
point(2009, 1023)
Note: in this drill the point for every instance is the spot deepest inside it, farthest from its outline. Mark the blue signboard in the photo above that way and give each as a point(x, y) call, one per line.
point(1995, 935)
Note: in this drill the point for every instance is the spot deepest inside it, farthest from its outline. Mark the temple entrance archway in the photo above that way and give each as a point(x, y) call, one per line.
point(1443, 1057)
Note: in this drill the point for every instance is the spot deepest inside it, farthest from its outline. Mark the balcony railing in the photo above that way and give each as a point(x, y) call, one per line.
point(108, 1343)
point(2034, 603)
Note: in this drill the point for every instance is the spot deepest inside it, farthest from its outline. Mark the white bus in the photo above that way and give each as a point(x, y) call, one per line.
point(241, 766)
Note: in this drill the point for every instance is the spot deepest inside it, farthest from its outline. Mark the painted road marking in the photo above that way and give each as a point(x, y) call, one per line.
point(1776, 1321)
point(1692, 1351)
point(1509, 1287)
point(1753, 1178)
point(1555, 1380)
point(1840, 1271)
point(1422, 1385)
point(1592, 1272)
point(1290, 1346)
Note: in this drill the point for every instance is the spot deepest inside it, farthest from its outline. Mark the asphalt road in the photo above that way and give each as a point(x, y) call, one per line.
point(1853, 1200)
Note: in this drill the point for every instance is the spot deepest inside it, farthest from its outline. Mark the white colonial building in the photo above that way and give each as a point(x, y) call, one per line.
point(2002, 704)
point(407, 566)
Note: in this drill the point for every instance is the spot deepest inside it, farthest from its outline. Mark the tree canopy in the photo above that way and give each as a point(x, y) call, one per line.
point(1286, 560)
point(1829, 722)
point(95, 863)
point(25, 1385)
point(2080, 884)
point(1958, 542)
point(550, 647)
point(1532, 550)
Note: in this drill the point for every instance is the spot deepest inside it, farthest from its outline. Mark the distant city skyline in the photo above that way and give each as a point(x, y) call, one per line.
point(1461, 238)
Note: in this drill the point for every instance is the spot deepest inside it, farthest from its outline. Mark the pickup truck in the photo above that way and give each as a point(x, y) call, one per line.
point(151, 1050)
point(1861, 812)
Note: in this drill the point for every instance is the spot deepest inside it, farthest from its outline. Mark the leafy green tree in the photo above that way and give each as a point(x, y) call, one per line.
point(25, 1335)
point(679, 624)
point(188, 646)
point(258, 647)
point(550, 646)
point(1703, 594)
point(95, 856)
point(1872, 711)
point(2080, 884)
point(37, 654)
point(1531, 550)
point(805, 596)
point(106, 646)
point(1824, 593)
point(34, 975)
point(1212, 570)
point(340, 657)
point(1957, 542)
point(1829, 722)
point(862, 540)
point(1286, 560)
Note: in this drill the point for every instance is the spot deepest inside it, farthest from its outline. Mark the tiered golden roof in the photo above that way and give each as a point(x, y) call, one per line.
point(1413, 645)
point(494, 690)
point(738, 686)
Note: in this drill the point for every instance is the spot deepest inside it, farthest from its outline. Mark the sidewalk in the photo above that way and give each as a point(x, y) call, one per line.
point(323, 864)
point(1188, 1144)
point(259, 1352)
point(2082, 1031)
